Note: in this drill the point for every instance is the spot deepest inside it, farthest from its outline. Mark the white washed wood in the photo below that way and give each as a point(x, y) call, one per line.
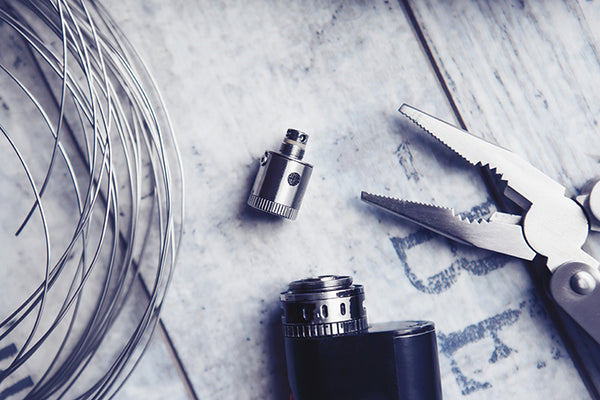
point(526, 78)
point(235, 76)
point(524, 75)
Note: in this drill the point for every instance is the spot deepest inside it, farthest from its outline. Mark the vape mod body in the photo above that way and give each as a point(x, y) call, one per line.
point(333, 354)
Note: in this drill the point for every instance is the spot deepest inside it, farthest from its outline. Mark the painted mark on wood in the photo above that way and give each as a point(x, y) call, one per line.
point(452, 342)
point(487, 329)
point(490, 328)
point(447, 277)
point(8, 351)
point(18, 386)
point(405, 158)
point(467, 385)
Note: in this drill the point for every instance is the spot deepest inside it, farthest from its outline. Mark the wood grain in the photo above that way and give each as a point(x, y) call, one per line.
point(235, 75)
point(525, 74)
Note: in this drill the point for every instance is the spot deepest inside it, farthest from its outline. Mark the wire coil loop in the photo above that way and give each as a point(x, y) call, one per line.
point(91, 183)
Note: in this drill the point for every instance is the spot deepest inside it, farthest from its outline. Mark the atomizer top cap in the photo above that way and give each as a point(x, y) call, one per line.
point(321, 283)
point(320, 288)
point(294, 144)
point(326, 305)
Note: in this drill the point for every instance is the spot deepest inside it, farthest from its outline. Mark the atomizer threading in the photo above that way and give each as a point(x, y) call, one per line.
point(282, 178)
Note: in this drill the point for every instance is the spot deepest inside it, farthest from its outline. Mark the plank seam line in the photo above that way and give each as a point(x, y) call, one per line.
point(182, 370)
point(493, 189)
point(436, 69)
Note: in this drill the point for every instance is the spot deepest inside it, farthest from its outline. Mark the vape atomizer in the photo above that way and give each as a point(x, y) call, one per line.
point(333, 354)
point(323, 306)
point(282, 178)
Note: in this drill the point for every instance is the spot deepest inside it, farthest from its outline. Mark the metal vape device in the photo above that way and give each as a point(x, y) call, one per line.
point(282, 178)
point(333, 354)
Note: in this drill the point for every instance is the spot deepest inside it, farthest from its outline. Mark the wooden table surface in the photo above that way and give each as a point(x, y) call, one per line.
point(236, 74)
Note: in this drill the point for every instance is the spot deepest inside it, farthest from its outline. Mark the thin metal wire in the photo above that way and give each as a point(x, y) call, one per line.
point(106, 193)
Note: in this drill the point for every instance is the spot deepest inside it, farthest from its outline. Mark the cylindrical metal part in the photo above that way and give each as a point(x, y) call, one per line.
point(594, 200)
point(325, 306)
point(282, 178)
point(391, 361)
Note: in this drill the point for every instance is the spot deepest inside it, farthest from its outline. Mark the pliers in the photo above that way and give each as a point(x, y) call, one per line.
point(552, 226)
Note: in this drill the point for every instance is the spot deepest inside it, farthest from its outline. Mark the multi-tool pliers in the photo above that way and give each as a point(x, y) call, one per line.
point(552, 225)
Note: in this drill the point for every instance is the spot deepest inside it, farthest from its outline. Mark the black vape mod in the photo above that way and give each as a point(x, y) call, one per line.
point(332, 353)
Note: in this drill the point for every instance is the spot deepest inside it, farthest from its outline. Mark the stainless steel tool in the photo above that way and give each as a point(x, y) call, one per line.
point(552, 225)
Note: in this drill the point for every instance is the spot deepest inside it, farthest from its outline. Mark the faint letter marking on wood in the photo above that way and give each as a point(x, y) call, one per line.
point(18, 386)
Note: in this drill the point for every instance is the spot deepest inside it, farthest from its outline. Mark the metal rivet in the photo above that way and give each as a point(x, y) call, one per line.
point(583, 282)
point(594, 200)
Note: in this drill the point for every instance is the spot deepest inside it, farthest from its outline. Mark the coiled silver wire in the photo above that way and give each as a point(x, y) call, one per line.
point(91, 202)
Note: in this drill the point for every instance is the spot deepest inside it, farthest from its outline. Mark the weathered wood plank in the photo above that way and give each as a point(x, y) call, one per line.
point(235, 76)
point(524, 75)
point(158, 375)
point(233, 87)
